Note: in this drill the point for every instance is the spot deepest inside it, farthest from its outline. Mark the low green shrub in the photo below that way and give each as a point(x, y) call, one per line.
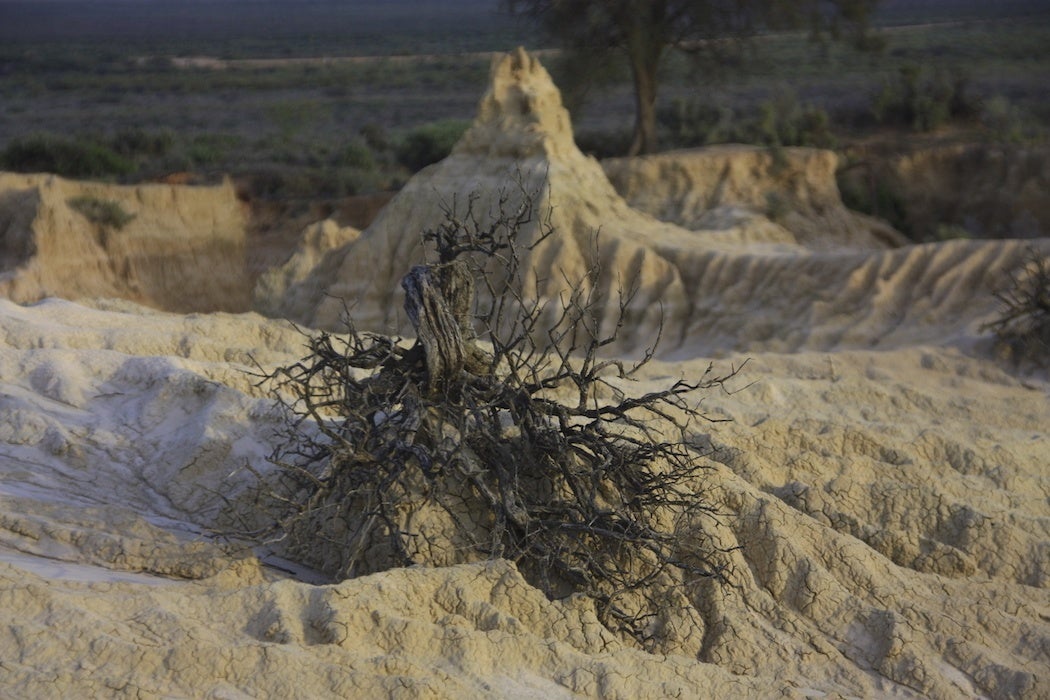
point(781, 120)
point(69, 158)
point(430, 143)
point(101, 212)
point(292, 116)
point(206, 150)
point(375, 136)
point(139, 142)
point(351, 181)
point(924, 100)
point(357, 154)
point(784, 121)
point(694, 122)
point(282, 183)
point(299, 182)
point(1008, 124)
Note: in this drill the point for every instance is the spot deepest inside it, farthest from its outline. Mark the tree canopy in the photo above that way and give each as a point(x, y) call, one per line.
point(644, 30)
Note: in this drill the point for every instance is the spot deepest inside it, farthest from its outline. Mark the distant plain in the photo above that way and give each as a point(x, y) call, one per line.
point(371, 91)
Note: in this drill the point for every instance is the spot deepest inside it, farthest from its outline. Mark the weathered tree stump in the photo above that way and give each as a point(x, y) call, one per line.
point(439, 301)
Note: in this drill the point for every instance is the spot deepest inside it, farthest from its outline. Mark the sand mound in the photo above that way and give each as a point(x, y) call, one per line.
point(183, 250)
point(888, 510)
point(520, 146)
point(278, 287)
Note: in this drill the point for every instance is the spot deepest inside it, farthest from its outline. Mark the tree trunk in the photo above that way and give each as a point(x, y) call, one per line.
point(644, 51)
point(644, 140)
point(439, 300)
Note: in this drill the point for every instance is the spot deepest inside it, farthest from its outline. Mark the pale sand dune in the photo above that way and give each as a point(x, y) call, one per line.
point(883, 484)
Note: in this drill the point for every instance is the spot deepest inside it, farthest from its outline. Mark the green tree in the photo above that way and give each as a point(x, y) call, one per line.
point(644, 30)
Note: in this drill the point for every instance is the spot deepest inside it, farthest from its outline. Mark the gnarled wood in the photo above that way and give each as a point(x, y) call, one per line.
point(439, 302)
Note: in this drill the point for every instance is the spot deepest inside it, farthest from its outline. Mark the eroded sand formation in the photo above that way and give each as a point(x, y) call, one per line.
point(883, 484)
point(715, 255)
point(791, 191)
point(182, 249)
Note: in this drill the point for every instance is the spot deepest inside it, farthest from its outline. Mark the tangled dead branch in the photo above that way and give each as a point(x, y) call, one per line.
point(1022, 330)
point(501, 432)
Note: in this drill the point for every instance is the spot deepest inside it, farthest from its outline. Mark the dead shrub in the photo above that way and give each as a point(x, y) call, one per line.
point(502, 431)
point(1022, 330)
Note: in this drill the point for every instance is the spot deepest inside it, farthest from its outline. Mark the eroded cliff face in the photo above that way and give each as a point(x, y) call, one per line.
point(182, 249)
point(789, 195)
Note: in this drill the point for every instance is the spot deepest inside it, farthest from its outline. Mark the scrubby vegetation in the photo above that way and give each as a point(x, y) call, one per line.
point(522, 443)
point(1008, 124)
point(282, 165)
point(924, 100)
point(73, 158)
point(779, 121)
point(430, 143)
point(102, 212)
